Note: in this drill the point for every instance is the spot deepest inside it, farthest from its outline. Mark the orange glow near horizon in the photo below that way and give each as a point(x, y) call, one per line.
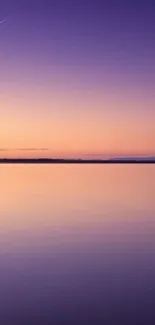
point(71, 124)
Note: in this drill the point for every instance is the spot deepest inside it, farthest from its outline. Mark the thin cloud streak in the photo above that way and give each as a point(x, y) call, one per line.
point(24, 149)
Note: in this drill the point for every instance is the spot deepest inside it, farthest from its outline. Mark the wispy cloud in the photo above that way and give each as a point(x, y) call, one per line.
point(24, 149)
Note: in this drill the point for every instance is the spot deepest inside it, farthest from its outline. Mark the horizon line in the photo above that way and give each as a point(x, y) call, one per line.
point(80, 160)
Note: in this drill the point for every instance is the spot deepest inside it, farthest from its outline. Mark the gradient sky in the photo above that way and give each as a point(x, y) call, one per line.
point(77, 78)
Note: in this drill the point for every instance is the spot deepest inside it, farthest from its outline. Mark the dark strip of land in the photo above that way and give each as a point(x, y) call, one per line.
point(77, 161)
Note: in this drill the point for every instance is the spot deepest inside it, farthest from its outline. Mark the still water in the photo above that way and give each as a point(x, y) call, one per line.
point(77, 244)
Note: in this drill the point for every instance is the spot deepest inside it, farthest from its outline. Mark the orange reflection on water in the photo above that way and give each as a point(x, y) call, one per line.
point(56, 195)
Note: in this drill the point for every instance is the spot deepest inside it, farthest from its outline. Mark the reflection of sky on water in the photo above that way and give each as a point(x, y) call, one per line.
point(77, 244)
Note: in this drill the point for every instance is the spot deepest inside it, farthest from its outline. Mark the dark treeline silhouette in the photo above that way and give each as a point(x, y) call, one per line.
point(75, 161)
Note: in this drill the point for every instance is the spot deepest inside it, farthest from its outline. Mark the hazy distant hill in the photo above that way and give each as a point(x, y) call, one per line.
point(134, 158)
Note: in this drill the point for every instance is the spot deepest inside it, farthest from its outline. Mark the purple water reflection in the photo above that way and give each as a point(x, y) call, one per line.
point(81, 257)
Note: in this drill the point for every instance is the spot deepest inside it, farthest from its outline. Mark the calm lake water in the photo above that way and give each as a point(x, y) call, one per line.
point(77, 244)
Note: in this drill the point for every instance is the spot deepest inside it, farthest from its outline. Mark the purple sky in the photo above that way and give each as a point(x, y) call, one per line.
point(76, 61)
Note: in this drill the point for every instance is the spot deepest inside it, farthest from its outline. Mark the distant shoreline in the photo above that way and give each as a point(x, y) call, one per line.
point(77, 161)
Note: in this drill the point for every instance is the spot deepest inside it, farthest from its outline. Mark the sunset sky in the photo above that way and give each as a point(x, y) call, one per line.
point(77, 78)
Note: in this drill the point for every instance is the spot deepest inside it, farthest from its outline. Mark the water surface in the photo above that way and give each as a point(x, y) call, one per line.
point(77, 244)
